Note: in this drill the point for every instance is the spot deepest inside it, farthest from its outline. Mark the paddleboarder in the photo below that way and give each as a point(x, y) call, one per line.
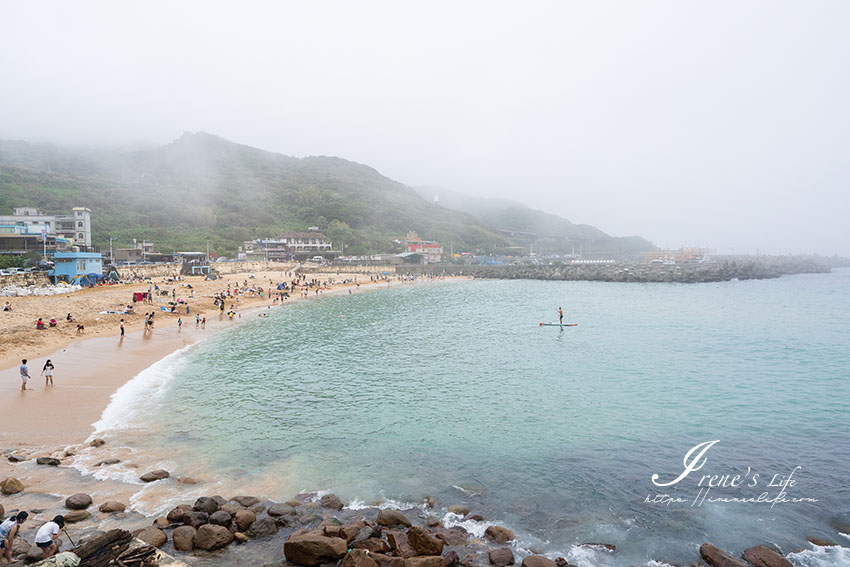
point(560, 316)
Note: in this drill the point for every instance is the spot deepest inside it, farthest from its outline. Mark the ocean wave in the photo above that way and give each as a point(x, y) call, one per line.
point(821, 556)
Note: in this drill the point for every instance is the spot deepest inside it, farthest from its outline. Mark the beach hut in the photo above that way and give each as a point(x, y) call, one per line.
point(70, 265)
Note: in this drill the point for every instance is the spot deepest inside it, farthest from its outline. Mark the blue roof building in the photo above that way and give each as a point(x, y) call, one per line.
point(69, 265)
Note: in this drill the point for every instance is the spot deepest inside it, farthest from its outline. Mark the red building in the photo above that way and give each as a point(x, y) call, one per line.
point(429, 249)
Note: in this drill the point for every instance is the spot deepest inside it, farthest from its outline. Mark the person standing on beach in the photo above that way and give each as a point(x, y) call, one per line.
point(179, 324)
point(122, 328)
point(45, 537)
point(47, 372)
point(8, 531)
point(25, 374)
point(560, 316)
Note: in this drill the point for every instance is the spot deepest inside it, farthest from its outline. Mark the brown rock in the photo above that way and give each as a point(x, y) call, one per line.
point(161, 522)
point(239, 537)
point(498, 534)
point(424, 561)
point(244, 519)
point(387, 561)
point(331, 501)
point(763, 556)
point(183, 538)
point(264, 527)
point(11, 486)
point(153, 536)
point(459, 510)
point(75, 516)
point(111, 507)
point(246, 501)
point(537, 561)
point(606, 546)
point(294, 503)
point(349, 531)
point(276, 510)
point(819, 541)
point(456, 536)
point(392, 518)
point(231, 508)
point(78, 501)
point(422, 542)
point(196, 519)
point(152, 476)
point(451, 558)
point(206, 504)
point(719, 558)
point(97, 442)
point(221, 518)
point(309, 549)
point(187, 480)
point(13, 458)
point(358, 558)
point(210, 537)
point(50, 461)
point(400, 544)
point(176, 515)
point(501, 556)
point(372, 545)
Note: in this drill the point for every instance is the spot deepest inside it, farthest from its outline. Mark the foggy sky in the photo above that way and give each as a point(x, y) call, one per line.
point(722, 124)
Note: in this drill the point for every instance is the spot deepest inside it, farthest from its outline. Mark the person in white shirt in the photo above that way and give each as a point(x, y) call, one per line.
point(47, 534)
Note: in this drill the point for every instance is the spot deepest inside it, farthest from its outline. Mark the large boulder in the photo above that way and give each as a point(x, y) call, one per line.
point(264, 527)
point(718, 558)
point(501, 556)
point(537, 561)
point(112, 506)
point(176, 515)
point(456, 536)
point(152, 476)
point(331, 501)
point(276, 510)
point(424, 561)
point(221, 518)
point(196, 519)
point(387, 560)
point(358, 558)
point(763, 556)
point(232, 508)
point(422, 542)
point(206, 504)
point(498, 534)
point(210, 537)
point(153, 536)
point(246, 501)
point(75, 516)
point(244, 519)
point(311, 549)
point(372, 545)
point(78, 501)
point(400, 544)
point(11, 486)
point(392, 518)
point(183, 538)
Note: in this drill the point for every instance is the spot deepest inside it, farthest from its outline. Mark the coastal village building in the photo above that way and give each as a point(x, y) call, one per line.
point(430, 250)
point(287, 244)
point(68, 266)
point(74, 228)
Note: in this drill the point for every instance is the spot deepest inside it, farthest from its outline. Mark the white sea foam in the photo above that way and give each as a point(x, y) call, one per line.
point(821, 556)
point(139, 394)
point(387, 504)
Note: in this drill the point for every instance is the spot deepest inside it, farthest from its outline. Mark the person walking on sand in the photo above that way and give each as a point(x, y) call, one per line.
point(8, 531)
point(122, 328)
point(179, 324)
point(25, 374)
point(47, 372)
point(45, 537)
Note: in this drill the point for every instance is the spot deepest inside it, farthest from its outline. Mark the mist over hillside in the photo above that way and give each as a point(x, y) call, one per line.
point(201, 187)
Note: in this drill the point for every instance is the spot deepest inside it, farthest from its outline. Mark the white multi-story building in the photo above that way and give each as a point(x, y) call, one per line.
point(75, 227)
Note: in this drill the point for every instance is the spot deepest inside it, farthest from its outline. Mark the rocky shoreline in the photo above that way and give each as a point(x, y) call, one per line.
point(746, 268)
point(312, 530)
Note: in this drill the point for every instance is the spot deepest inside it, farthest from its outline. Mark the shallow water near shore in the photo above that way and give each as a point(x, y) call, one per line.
point(454, 390)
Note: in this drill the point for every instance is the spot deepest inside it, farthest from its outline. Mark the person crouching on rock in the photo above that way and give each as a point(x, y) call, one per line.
point(8, 531)
point(47, 534)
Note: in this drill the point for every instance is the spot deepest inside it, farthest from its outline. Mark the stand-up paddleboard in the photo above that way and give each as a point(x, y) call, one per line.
point(559, 325)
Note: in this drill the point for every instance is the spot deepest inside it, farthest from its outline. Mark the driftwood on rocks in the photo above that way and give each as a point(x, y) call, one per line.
point(102, 550)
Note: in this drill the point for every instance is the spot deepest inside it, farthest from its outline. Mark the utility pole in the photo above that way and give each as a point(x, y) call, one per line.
point(111, 257)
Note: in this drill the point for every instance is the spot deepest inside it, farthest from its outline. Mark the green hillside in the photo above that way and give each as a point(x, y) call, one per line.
point(201, 187)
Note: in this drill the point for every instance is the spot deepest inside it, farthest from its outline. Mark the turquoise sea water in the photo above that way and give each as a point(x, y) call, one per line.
point(453, 389)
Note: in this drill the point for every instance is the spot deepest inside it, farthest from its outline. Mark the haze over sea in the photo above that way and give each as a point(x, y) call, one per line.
point(453, 389)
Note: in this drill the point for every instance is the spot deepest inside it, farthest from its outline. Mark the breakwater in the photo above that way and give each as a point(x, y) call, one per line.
point(720, 271)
